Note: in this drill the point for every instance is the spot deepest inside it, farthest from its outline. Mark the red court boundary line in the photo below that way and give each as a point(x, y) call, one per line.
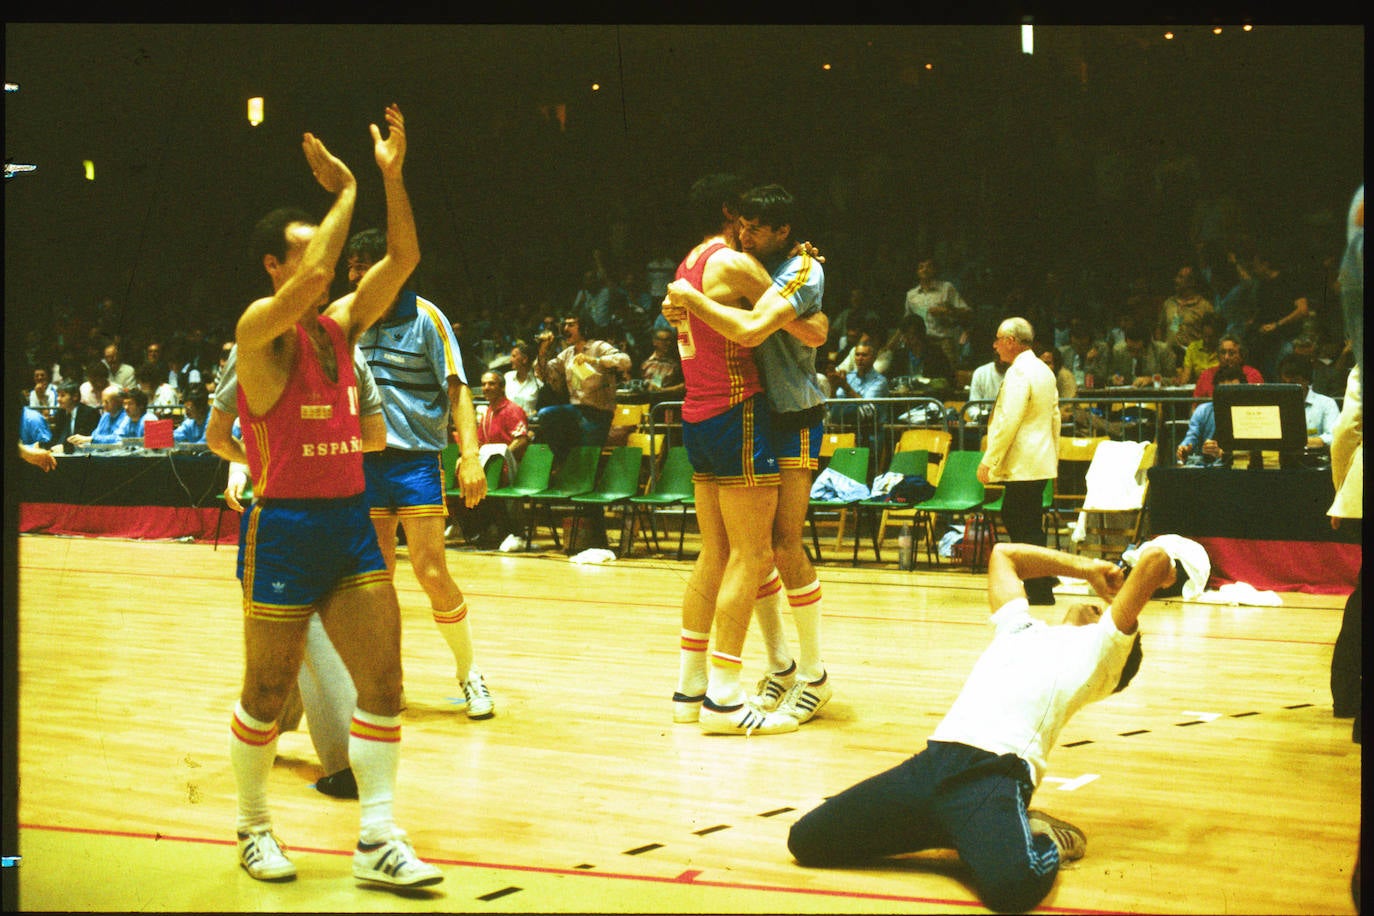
point(686, 877)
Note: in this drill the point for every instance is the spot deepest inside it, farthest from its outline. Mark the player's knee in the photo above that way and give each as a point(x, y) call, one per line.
point(1013, 894)
point(808, 845)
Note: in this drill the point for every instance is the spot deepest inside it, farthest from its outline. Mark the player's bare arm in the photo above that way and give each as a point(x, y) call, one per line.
point(1011, 564)
point(378, 288)
point(472, 479)
point(265, 331)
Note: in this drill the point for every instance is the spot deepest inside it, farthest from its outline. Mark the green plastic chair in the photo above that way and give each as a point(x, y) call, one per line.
point(907, 463)
point(673, 488)
point(448, 460)
point(531, 477)
point(959, 493)
point(619, 481)
point(576, 476)
point(852, 462)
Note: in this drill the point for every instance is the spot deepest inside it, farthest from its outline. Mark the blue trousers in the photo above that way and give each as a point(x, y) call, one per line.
point(949, 796)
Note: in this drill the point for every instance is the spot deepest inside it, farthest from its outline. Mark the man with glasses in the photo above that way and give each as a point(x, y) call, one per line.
point(1229, 353)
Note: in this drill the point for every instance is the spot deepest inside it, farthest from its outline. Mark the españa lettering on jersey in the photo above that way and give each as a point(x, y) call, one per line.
point(309, 445)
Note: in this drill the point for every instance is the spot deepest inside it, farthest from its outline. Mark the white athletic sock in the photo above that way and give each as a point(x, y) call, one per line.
point(691, 674)
point(457, 632)
point(768, 612)
point(328, 696)
point(374, 749)
point(724, 688)
point(806, 611)
point(252, 749)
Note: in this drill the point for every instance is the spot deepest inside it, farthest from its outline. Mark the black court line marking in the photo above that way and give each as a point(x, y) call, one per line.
point(714, 829)
point(1079, 743)
point(503, 892)
point(1138, 731)
point(1194, 722)
point(1242, 715)
point(585, 867)
point(1298, 706)
point(646, 848)
point(776, 811)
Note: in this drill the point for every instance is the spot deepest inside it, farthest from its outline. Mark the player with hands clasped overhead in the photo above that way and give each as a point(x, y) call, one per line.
point(307, 543)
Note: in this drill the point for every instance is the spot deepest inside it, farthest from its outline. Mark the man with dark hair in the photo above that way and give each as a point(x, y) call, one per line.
point(1202, 425)
point(418, 364)
point(970, 788)
point(303, 442)
point(795, 685)
point(72, 418)
point(587, 370)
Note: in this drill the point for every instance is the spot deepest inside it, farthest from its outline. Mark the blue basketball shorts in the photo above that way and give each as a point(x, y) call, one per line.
point(405, 484)
point(734, 448)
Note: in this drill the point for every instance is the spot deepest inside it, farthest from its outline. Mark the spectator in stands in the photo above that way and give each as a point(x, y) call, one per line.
point(867, 329)
point(152, 381)
point(152, 353)
point(587, 370)
point(1139, 359)
point(662, 369)
point(1181, 314)
point(1322, 411)
point(196, 409)
point(911, 353)
point(97, 380)
point(34, 428)
point(1064, 381)
point(865, 382)
point(522, 385)
point(224, 350)
point(120, 372)
point(1201, 354)
point(940, 306)
point(984, 386)
point(42, 394)
point(107, 430)
point(1281, 307)
point(135, 413)
point(503, 423)
point(1202, 426)
point(72, 418)
point(1083, 354)
point(1230, 352)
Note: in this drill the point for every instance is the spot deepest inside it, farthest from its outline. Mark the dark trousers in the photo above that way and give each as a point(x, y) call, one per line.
point(1347, 676)
point(949, 796)
point(1023, 515)
point(563, 426)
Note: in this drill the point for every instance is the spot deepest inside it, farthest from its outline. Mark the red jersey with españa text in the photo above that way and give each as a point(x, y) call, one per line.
point(310, 444)
point(719, 373)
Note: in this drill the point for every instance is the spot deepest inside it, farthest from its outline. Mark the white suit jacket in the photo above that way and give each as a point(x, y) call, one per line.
point(1023, 436)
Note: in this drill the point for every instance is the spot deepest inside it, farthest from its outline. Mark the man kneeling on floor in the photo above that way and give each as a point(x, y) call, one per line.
point(970, 788)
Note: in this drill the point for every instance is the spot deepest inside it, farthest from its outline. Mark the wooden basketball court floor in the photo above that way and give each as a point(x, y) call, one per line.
point(1219, 782)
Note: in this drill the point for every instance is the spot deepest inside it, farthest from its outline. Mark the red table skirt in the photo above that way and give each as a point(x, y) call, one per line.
point(1316, 568)
point(139, 522)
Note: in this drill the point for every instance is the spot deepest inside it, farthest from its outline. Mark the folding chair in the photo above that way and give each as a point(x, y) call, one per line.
point(959, 493)
point(576, 476)
point(852, 462)
point(673, 486)
point(1113, 511)
point(531, 477)
point(879, 511)
point(619, 480)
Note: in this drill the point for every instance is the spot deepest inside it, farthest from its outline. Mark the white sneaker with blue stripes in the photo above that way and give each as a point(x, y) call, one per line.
point(394, 863)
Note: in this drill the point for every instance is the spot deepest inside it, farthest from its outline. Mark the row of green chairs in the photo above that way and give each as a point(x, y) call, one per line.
point(577, 484)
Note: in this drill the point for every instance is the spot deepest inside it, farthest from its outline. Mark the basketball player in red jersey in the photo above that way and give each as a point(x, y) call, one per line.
point(307, 544)
point(726, 431)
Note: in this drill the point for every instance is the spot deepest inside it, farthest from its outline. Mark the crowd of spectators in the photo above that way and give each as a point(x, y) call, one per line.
point(934, 338)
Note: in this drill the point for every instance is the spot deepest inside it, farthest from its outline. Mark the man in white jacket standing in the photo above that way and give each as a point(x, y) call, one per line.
point(1023, 442)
